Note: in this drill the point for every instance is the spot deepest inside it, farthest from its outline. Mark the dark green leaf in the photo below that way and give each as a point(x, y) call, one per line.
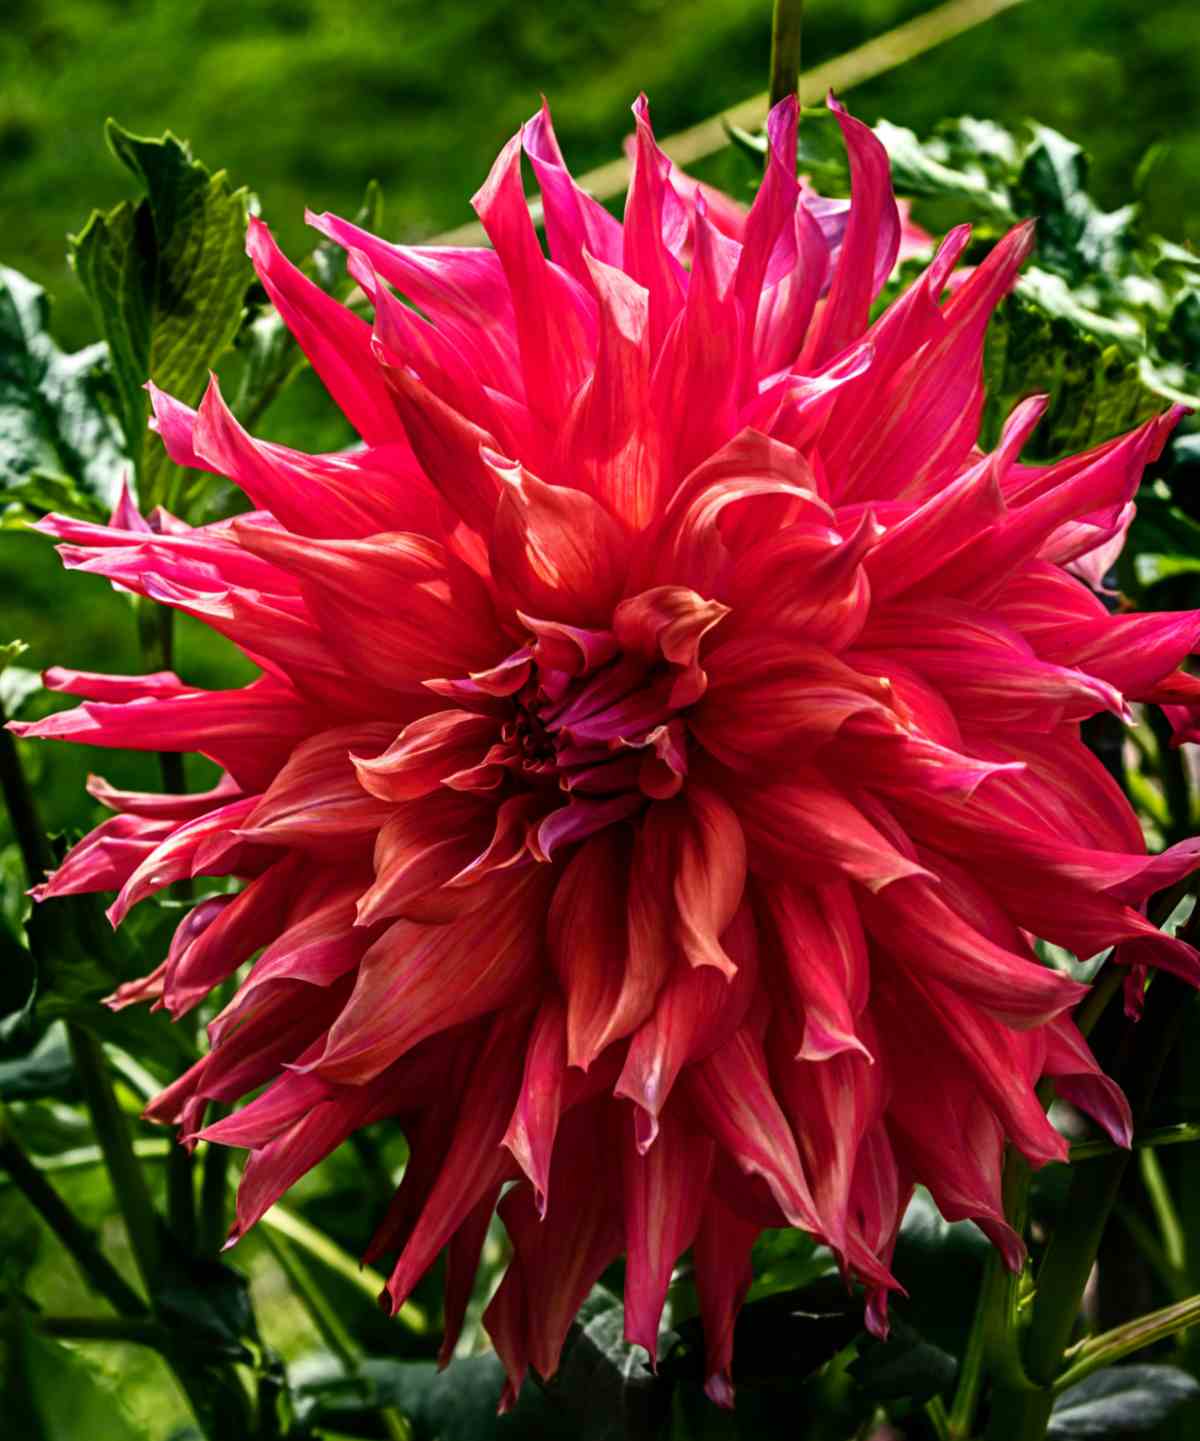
point(604, 1387)
point(58, 437)
point(1120, 1401)
point(1075, 238)
point(905, 1366)
point(79, 962)
point(458, 1404)
point(939, 1263)
point(788, 1260)
point(208, 1302)
point(47, 1070)
point(18, 991)
point(1043, 341)
point(779, 1339)
point(167, 277)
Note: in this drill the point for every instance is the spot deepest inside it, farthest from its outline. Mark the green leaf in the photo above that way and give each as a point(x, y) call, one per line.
point(79, 962)
point(209, 1303)
point(46, 1071)
point(59, 440)
point(1164, 540)
point(787, 1260)
point(458, 1404)
point(52, 1393)
point(604, 1388)
point(942, 170)
point(1075, 237)
point(1043, 341)
point(939, 1263)
point(18, 990)
point(905, 1366)
point(781, 1338)
point(167, 277)
point(1120, 1401)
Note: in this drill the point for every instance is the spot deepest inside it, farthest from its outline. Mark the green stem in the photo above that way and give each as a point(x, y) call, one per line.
point(104, 1328)
point(214, 1194)
point(333, 1330)
point(376, 1174)
point(1158, 1136)
point(181, 1197)
point(77, 1240)
point(1001, 1326)
point(1169, 1228)
point(330, 1254)
point(1020, 1414)
point(935, 1409)
point(1122, 1341)
point(1149, 1248)
point(80, 1158)
point(787, 22)
point(1104, 988)
point(112, 1132)
point(1072, 1249)
point(961, 1421)
point(1177, 790)
point(213, 1388)
point(18, 798)
point(330, 1325)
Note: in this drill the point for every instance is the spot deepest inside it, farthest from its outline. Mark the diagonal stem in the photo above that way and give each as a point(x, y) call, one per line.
point(78, 1241)
point(1122, 1341)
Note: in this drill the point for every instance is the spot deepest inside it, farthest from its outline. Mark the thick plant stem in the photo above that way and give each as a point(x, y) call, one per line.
point(787, 22)
point(125, 1173)
point(31, 839)
point(961, 1421)
point(77, 1240)
point(1020, 1414)
point(214, 1191)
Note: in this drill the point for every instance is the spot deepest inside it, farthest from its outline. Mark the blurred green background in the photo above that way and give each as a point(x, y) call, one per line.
point(304, 100)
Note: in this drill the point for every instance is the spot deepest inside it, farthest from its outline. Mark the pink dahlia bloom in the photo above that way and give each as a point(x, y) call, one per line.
point(666, 749)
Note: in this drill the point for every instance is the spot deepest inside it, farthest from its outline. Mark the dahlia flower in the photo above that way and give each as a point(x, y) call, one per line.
point(666, 752)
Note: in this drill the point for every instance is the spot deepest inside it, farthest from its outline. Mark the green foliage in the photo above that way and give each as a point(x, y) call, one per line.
point(167, 278)
point(1106, 317)
point(604, 1390)
point(52, 1393)
point(59, 442)
point(1120, 1401)
point(904, 1367)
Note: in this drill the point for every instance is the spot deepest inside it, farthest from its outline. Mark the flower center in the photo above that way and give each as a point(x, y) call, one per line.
point(598, 731)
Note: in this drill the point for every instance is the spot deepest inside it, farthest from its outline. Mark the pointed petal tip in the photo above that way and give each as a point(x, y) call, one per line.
point(719, 1389)
point(260, 243)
